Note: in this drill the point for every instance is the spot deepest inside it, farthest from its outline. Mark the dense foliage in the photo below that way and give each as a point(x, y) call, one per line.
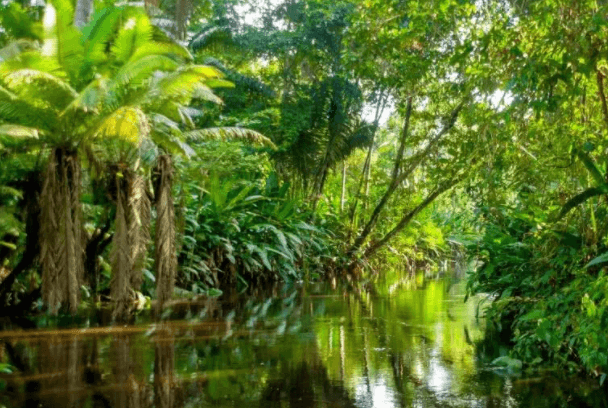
point(226, 144)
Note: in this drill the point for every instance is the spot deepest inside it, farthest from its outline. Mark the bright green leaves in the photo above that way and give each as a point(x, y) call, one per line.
point(128, 124)
point(135, 32)
point(16, 22)
point(41, 88)
point(61, 38)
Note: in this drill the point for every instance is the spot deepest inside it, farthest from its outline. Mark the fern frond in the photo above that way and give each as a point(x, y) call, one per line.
point(230, 133)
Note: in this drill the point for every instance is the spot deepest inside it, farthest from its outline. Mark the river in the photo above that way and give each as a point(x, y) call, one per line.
point(416, 345)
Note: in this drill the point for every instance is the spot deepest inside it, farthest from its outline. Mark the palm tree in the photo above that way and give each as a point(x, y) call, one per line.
point(112, 88)
point(63, 96)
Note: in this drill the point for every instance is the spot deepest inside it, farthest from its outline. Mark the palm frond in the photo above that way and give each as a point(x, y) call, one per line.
point(102, 27)
point(168, 49)
point(171, 143)
point(16, 48)
point(62, 39)
point(14, 109)
point(204, 72)
point(230, 133)
point(212, 35)
point(38, 85)
point(180, 87)
point(126, 123)
point(32, 59)
point(91, 98)
point(18, 132)
point(141, 68)
point(134, 33)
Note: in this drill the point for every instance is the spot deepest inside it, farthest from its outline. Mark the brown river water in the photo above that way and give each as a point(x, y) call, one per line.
point(416, 346)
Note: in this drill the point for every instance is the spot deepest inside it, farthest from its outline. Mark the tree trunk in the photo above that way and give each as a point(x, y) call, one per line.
point(165, 256)
point(343, 192)
point(405, 220)
point(61, 234)
point(130, 239)
point(365, 174)
point(121, 258)
point(400, 175)
point(83, 12)
point(392, 186)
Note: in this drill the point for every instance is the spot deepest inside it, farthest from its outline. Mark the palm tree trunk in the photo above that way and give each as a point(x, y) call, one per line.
point(139, 228)
point(121, 259)
point(61, 235)
point(165, 257)
point(130, 240)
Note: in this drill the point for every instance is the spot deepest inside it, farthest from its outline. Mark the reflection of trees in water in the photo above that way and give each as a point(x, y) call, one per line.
point(164, 366)
point(129, 389)
point(60, 363)
point(305, 385)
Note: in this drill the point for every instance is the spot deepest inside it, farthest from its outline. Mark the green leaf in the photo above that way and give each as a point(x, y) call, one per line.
point(214, 292)
point(598, 260)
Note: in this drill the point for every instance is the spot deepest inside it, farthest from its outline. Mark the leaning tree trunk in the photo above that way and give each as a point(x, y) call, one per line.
point(61, 234)
point(130, 239)
point(165, 257)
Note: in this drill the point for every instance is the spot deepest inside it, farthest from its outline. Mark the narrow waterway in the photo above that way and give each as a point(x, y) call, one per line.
point(313, 347)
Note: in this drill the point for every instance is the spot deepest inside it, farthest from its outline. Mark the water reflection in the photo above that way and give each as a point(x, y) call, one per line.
point(298, 348)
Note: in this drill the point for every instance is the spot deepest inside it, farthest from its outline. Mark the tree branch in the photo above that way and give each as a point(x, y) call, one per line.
point(399, 177)
point(407, 218)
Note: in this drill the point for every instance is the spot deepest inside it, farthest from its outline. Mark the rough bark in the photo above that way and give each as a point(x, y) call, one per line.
point(139, 228)
point(165, 256)
point(61, 234)
point(121, 259)
point(130, 239)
